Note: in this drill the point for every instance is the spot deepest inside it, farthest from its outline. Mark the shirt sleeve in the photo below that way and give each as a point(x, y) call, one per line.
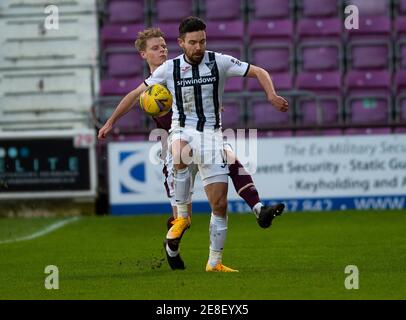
point(232, 66)
point(158, 76)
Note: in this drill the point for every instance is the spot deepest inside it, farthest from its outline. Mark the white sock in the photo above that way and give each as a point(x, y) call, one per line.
point(257, 209)
point(182, 210)
point(170, 252)
point(181, 181)
point(215, 257)
point(218, 232)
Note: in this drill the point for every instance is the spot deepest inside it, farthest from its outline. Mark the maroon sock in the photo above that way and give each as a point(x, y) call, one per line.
point(242, 178)
point(169, 222)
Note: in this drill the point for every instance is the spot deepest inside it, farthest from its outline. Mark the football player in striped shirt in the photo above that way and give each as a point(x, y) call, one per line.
point(191, 85)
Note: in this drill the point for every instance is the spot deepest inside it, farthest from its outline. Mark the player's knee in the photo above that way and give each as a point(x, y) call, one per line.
point(177, 159)
point(220, 206)
point(179, 166)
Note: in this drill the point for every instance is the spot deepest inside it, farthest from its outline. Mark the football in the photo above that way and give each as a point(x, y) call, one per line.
point(156, 100)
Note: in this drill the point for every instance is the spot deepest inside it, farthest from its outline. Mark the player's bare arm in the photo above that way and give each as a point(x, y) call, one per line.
point(266, 82)
point(123, 107)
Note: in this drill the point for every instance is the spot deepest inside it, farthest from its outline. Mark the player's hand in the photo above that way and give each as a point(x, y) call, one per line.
point(279, 103)
point(104, 131)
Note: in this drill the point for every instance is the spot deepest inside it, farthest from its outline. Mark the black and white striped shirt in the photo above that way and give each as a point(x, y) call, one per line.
point(197, 89)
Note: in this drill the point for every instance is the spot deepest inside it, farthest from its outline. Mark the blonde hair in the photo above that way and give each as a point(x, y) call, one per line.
point(143, 36)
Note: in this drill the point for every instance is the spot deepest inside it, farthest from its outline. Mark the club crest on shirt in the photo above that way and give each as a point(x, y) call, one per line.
point(210, 65)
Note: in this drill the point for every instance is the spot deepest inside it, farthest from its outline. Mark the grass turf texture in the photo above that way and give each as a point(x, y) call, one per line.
point(302, 256)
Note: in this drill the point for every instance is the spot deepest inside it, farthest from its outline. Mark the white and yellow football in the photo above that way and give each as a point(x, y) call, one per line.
point(156, 100)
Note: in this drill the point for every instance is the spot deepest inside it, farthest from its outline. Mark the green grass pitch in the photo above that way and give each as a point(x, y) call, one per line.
point(302, 256)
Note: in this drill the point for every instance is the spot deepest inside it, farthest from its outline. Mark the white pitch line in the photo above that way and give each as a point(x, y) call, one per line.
point(43, 232)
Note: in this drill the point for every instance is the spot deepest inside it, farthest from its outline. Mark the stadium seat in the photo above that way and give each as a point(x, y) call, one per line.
point(316, 28)
point(171, 32)
point(282, 81)
point(314, 133)
point(125, 11)
point(400, 91)
point(129, 137)
point(331, 132)
point(130, 122)
point(308, 112)
point(399, 130)
point(318, 9)
point(234, 84)
point(119, 87)
point(368, 99)
point(124, 64)
point(171, 10)
point(319, 81)
point(371, 28)
point(271, 47)
point(400, 44)
point(222, 10)
point(272, 57)
point(232, 114)
point(370, 46)
point(320, 55)
point(230, 49)
point(220, 30)
point(263, 114)
point(120, 35)
point(366, 131)
point(367, 109)
point(170, 29)
point(37, 97)
point(274, 133)
point(226, 36)
point(400, 27)
point(270, 9)
point(133, 122)
point(372, 8)
point(377, 80)
point(48, 67)
point(401, 109)
point(26, 45)
point(281, 30)
point(369, 54)
point(322, 104)
point(400, 7)
point(36, 7)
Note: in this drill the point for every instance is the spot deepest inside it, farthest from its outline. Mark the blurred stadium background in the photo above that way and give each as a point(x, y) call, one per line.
point(62, 84)
point(61, 80)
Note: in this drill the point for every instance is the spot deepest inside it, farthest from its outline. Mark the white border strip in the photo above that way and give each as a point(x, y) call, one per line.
point(49, 229)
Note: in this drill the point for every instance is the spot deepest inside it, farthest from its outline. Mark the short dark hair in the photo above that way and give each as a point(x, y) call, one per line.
point(191, 24)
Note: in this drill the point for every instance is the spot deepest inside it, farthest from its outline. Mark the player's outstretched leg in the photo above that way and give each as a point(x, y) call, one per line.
point(174, 259)
point(182, 185)
point(268, 213)
point(245, 187)
point(177, 228)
